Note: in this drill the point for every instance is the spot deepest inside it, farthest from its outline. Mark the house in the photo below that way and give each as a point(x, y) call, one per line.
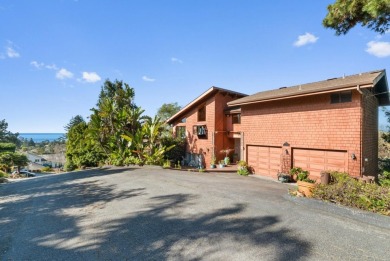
point(325, 125)
point(205, 127)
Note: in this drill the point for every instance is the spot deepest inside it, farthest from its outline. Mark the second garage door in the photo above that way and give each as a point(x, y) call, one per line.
point(317, 160)
point(264, 160)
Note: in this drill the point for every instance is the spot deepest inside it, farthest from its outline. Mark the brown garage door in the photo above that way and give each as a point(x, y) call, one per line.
point(317, 160)
point(264, 160)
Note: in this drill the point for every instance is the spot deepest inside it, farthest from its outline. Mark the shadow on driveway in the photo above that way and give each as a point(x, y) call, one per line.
point(35, 224)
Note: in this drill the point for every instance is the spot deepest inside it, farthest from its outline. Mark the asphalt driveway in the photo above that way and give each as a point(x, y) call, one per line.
point(154, 214)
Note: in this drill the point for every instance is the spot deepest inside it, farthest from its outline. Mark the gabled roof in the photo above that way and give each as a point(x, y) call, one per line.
point(363, 80)
point(202, 98)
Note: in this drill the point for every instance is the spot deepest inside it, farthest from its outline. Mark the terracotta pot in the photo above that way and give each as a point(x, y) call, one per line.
point(305, 187)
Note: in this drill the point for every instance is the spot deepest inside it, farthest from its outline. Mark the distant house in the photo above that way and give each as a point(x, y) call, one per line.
point(50, 160)
point(326, 125)
point(36, 158)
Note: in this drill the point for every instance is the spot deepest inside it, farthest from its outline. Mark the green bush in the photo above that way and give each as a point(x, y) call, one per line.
point(384, 179)
point(176, 153)
point(47, 169)
point(3, 174)
point(243, 171)
point(348, 191)
point(132, 160)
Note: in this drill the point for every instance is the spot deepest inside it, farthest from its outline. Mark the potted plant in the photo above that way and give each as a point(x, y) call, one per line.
point(221, 163)
point(226, 152)
point(305, 184)
point(294, 173)
point(213, 161)
point(284, 177)
point(242, 168)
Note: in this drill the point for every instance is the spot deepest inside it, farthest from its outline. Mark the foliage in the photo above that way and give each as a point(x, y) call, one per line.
point(167, 164)
point(243, 171)
point(81, 150)
point(167, 110)
point(242, 163)
point(146, 142)
point(343, 15)
point(7, 136)
point(3, 174)
point(47, 169)
point(347, 191)
point(213, 160)
point(179, 149)
point(302, 175)
point(384, 178)
point(74, 121)
point(7, 147)
point(10, 159)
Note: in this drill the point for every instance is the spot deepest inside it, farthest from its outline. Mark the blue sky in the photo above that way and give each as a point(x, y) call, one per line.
point(56, 54)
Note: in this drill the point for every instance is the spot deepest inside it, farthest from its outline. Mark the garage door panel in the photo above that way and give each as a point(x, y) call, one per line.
point(264, 160)
point(316, 161)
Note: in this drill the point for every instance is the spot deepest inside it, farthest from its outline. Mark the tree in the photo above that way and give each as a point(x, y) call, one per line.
point(167, 110)
point(7, 136)
point(74, 121)
point(345, 14)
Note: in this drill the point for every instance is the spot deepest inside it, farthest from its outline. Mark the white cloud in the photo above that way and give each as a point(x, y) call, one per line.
point(11, 53)
point(304, 39)
point(176, 60)
point(37, 64)
point(51, 67)
point(91, 77)
point(63, 74)
point(378, 49)
point(147, 79)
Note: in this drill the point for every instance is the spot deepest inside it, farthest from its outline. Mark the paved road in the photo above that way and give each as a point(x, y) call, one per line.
point(154, 214)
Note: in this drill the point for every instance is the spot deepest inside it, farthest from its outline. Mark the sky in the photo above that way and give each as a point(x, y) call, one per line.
point(56, 54)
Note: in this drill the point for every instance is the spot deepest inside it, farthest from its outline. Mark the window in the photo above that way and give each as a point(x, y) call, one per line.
point(339, 97)
point(202, 113)
point(183, 120)
point(180, 131)
point(236, 118)
point(200, 131)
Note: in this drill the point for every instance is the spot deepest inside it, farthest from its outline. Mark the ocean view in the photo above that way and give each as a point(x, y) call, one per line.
point(39, 137)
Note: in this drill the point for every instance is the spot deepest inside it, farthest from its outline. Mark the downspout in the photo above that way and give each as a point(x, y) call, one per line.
point(361, 130)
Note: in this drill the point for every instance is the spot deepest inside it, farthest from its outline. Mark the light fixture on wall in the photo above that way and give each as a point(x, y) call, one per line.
point(353, 156)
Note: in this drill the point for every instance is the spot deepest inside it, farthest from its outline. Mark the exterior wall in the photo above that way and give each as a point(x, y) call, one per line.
point(310, 122)
point(221, 126)
point(216, 127)
point(370, 134)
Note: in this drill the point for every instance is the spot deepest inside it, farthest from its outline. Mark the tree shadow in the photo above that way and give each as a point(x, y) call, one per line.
point(51, 209)
point(164, 229)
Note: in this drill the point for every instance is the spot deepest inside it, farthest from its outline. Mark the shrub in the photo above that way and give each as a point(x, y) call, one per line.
point(167, 164)
point(384, 179)
point(243, 171)
point(47, 169)
point(3, 174)
point(177, 152)
point(132, 160)
point(348, 191)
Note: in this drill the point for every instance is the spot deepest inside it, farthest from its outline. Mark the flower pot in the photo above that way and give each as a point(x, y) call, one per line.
point(212, 166)
point(221, 166)
point(305, 187)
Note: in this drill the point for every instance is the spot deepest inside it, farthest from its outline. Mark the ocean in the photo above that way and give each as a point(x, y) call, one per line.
point(39, 137)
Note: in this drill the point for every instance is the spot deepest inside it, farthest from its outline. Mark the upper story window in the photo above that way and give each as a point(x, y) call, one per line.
point(236, 118)
point(202, 113)
point(184, 120)
point(339, 97)
point(180, 131)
